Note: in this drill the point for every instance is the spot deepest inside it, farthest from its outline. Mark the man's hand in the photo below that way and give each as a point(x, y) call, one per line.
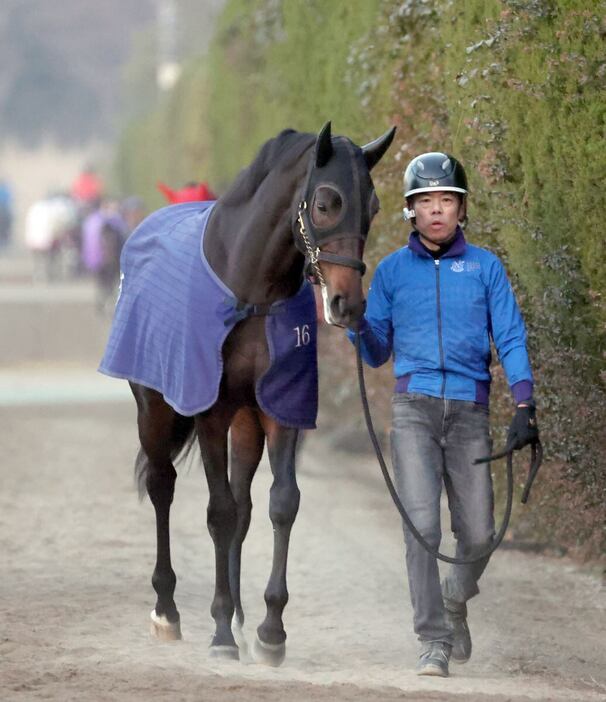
point(523, 429)
point(357, 324)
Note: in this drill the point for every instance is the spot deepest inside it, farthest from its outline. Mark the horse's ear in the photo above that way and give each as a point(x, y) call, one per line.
point(374, 151)
point(323, 146)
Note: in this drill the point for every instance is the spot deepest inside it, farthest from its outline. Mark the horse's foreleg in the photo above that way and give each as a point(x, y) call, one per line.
point(212, 430)
point(270, 646)
point(247, 441)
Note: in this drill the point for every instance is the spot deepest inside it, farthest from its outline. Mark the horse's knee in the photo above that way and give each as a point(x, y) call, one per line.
point(160, 484)
point(244, 512)
point(221, 515)
point(284, 504)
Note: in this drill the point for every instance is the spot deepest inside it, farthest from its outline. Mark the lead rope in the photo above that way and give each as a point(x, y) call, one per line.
point(394, 495)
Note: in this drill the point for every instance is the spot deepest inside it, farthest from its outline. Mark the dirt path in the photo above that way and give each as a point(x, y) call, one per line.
point(78, 555)
point(78, 551)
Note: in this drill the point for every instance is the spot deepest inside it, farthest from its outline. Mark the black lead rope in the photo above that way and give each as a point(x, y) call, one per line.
point(536, 458)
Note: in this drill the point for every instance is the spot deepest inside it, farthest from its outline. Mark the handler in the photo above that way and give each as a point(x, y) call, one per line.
point(435, 304)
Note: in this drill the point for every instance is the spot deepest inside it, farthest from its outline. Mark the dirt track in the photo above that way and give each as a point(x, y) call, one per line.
point(78, 551)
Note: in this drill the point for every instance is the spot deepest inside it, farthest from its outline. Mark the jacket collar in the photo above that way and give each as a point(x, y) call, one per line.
point(457, 248)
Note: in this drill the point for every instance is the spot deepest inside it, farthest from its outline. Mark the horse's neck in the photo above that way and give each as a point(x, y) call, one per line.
point(250, 247)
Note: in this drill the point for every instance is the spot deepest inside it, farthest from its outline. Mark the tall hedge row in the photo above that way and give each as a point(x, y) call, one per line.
point(515, 88)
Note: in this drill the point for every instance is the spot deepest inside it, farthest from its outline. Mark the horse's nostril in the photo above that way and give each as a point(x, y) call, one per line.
point(339, 306)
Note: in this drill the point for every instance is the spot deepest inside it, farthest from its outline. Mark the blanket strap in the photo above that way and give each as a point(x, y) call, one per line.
point(244, 310)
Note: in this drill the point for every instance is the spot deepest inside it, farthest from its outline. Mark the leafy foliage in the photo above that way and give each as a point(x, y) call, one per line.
point(515, 88)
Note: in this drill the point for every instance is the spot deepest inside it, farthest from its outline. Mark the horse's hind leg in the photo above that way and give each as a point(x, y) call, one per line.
point(212, 428)
point(270, 646)
point(247, 441)
point(162, 433)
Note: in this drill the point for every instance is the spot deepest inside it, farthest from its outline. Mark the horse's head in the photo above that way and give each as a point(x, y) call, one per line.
point(333, 219)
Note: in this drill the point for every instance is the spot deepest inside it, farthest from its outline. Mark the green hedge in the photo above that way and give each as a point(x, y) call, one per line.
point(171, 144)
point(515, 88)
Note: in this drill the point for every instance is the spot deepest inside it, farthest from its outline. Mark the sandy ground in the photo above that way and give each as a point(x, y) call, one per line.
point(78, 552)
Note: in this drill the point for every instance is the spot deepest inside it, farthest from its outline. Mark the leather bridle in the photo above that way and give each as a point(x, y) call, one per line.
point(314, 254)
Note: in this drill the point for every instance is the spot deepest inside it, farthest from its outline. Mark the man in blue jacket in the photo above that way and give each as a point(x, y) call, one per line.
point(434, 306)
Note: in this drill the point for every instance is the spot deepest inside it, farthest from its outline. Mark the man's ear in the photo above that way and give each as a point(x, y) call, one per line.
point(462, 216)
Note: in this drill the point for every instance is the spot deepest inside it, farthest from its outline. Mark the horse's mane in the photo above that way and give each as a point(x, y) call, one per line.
point(283, 150)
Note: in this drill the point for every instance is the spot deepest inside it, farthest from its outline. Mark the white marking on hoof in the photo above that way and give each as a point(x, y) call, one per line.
point(226, 653)
point(268, 654)
point(163, 630)
point(238, 632)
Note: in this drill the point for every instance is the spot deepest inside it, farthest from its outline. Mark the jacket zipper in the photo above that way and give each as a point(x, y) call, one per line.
point(439, 310)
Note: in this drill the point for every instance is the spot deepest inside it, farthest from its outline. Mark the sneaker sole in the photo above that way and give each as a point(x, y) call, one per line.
point(432, 670)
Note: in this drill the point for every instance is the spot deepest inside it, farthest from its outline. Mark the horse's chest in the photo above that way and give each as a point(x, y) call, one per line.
point(246, 356)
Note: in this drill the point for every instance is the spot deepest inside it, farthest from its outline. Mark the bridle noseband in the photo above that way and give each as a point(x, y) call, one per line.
point(314, 253)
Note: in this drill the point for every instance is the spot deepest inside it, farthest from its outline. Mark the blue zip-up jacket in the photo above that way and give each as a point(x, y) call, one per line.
point(437, 318)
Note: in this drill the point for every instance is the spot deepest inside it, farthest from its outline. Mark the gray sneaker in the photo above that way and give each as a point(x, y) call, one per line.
point(434, 659)
point(455, 615)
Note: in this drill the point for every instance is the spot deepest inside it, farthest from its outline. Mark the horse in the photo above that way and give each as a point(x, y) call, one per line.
point(304, 196)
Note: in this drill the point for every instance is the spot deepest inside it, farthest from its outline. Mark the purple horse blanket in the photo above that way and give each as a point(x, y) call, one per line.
point(173, 315)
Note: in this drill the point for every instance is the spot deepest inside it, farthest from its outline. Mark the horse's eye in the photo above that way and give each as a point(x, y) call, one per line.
point(327, 207)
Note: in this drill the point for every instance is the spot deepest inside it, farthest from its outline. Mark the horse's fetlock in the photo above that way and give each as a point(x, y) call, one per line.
point(276, 600)
point(222, 607)
point(164, 581)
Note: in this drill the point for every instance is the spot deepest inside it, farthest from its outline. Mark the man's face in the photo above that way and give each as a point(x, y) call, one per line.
point(437, 215)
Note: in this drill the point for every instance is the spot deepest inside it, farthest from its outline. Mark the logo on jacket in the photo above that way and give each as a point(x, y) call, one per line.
point(458, 266)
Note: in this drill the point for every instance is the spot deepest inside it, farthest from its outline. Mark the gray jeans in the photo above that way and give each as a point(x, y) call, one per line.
point(435, 441)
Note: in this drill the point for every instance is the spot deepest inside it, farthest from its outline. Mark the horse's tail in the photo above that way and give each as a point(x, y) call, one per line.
point(182, 439)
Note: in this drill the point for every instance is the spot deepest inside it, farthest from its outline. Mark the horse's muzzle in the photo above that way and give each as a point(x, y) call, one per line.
point(340, 311)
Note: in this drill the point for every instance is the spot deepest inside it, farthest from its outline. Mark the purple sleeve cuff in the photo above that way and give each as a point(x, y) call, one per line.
point(363, 325)
point(522, 391)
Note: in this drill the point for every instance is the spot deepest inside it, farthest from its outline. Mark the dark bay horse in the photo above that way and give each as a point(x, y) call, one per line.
point(303, 196)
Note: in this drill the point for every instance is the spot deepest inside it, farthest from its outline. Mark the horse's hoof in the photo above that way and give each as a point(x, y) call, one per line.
point(163, 630)
point(268, 654)
point(238, 633)
point(225, 653)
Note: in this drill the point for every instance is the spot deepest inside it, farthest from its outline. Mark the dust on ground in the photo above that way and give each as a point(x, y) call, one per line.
point(78, 552)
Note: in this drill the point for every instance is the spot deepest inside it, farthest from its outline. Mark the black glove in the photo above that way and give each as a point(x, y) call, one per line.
point(523, 429)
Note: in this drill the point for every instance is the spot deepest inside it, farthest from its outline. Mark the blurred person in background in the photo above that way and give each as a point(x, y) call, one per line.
point(49, 224)
point(190, 192)
point(133, 212)
point(6, 214)
point(87, 192)
point(87, 189)
point(104, 232)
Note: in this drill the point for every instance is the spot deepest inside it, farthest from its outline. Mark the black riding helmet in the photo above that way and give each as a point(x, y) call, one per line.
point(434, 170)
